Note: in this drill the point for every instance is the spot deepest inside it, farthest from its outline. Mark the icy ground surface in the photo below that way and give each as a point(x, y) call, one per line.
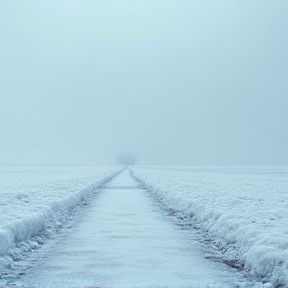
point(34, 202)
point(124, 239)
point(243, 211)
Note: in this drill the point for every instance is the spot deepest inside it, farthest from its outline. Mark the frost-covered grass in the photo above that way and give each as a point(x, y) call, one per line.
point(243, 210)
point(33, 199)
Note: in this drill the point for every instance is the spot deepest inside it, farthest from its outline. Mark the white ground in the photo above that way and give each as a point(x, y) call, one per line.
point(35, 199)
point(243, 211)
point(125, 240)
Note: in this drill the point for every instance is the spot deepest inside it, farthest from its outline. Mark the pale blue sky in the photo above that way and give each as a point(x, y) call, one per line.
point(179, 82)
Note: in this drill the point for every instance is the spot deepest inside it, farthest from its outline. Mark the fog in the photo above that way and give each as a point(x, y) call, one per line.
point(172, 82)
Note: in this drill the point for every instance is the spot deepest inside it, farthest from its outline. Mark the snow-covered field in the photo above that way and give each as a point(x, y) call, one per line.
point(34, 200)
point(241, 210)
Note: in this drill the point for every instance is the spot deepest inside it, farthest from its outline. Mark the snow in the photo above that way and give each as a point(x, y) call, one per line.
point(243, 211)
point(34, 200)
point(125, 239)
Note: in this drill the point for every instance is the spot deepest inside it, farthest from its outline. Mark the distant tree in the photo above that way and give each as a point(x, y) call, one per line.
point(126, 159)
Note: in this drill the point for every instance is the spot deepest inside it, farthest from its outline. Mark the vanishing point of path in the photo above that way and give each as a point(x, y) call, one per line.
point(124, 239)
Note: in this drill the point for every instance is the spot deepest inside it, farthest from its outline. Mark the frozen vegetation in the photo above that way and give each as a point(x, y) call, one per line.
point(34, 200)
point(242, 211)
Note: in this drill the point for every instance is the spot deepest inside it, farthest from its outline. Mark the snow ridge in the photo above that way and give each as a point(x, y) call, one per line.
point(42, 211)
point(242, 210)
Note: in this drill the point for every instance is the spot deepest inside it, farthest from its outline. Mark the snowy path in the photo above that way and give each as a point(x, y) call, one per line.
point(124, 239)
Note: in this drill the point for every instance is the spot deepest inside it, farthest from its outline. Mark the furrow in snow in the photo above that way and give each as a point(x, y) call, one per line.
point(242, 210)
point(40, 206)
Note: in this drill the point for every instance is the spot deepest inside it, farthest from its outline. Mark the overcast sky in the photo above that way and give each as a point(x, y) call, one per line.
point(174, 82)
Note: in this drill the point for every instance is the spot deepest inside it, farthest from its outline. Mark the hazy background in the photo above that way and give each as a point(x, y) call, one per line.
point(174, 82)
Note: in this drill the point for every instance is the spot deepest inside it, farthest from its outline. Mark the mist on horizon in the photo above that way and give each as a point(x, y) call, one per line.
point(170, 82)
